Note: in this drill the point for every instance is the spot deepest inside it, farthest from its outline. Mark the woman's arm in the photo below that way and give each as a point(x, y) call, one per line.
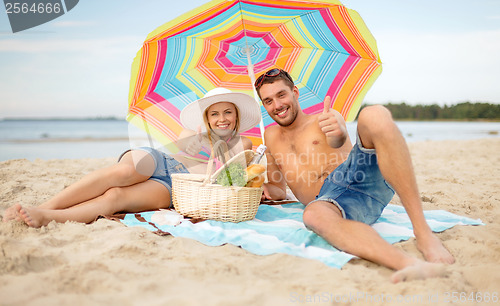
point(247, 143)
point(190, 142)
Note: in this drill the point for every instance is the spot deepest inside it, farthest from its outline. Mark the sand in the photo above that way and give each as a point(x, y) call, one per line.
point(107, 262)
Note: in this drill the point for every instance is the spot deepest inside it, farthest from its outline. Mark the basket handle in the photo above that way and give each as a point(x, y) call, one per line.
point(219, 145)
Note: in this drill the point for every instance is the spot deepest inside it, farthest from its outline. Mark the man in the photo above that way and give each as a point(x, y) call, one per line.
point(345, 188)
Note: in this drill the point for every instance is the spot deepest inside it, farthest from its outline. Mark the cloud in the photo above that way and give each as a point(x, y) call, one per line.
point(48, 85)
point(68, 24)
point(124, 43)
point(65, 77)
point(440, 67)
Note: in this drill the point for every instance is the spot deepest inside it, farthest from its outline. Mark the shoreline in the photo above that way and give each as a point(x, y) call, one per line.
point(108, 118)
point(447, 120)
point(124, 119)
point(112, 147)
point(75, 139)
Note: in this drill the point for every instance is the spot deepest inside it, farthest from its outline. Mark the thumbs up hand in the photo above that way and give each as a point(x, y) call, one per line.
point(332, 125)
point(194, 145)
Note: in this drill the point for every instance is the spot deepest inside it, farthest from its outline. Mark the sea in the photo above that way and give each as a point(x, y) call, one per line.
point(75, 139)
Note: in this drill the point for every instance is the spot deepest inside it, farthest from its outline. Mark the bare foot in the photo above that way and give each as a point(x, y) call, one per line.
point(419, 270)
point(433, 249)
point(32, 216)
point(12, 213)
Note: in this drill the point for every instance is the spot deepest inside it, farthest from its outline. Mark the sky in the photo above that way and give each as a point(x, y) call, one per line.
point(78, 65)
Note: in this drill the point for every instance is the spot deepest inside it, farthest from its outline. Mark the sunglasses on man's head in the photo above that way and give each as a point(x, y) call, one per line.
point(271, 73)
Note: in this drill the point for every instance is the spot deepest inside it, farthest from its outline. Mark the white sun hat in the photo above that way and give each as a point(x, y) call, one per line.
point(249, 109)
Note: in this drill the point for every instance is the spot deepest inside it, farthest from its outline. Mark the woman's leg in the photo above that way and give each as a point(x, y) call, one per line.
point(134, 167)
point(144, 196)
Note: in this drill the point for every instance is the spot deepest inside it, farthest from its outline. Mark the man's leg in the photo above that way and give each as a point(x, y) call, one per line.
point(359, 239)
point(377, 130)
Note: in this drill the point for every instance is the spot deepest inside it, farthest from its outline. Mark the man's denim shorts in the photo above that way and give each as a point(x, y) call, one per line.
point(357, 187)
point(165, 165)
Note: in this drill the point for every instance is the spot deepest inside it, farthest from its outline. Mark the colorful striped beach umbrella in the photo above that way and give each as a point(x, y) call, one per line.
point(325, 47)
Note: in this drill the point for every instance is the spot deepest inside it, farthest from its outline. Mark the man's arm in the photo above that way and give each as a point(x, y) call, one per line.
point(275, 188)
point(333, 125)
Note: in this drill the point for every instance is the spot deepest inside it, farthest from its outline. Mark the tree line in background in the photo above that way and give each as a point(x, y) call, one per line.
point(460, 111)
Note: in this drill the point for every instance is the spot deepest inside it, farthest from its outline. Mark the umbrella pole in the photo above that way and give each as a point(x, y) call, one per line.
point(147, 132)
point(251, 74)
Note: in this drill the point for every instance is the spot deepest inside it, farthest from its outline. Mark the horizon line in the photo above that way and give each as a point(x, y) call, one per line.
point(63, 118)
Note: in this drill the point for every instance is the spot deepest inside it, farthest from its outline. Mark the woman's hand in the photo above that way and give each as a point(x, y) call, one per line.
point(194, 143)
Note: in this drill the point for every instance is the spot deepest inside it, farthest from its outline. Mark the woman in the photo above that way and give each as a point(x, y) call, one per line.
point(141, 181)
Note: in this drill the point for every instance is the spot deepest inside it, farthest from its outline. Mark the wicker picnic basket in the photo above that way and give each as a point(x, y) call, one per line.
point(196, 196)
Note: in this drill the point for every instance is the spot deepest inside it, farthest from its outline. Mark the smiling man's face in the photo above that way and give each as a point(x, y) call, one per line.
point(280, 102)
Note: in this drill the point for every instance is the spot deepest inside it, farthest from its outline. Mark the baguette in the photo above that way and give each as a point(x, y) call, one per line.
point(256, 182)
point(255, 175)
point(255, 170)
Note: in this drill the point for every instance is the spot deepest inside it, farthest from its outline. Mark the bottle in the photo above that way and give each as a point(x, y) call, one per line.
point(259, 153)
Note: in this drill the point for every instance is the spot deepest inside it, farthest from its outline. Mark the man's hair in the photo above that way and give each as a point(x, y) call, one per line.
point(265, 78)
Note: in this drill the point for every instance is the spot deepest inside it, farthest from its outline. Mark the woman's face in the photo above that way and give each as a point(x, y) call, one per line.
point(222, 118)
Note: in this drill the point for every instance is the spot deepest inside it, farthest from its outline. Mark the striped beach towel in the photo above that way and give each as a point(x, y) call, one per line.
point(279, 229)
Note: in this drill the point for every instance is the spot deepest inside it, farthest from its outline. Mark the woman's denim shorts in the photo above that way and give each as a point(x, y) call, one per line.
point(165, 165)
